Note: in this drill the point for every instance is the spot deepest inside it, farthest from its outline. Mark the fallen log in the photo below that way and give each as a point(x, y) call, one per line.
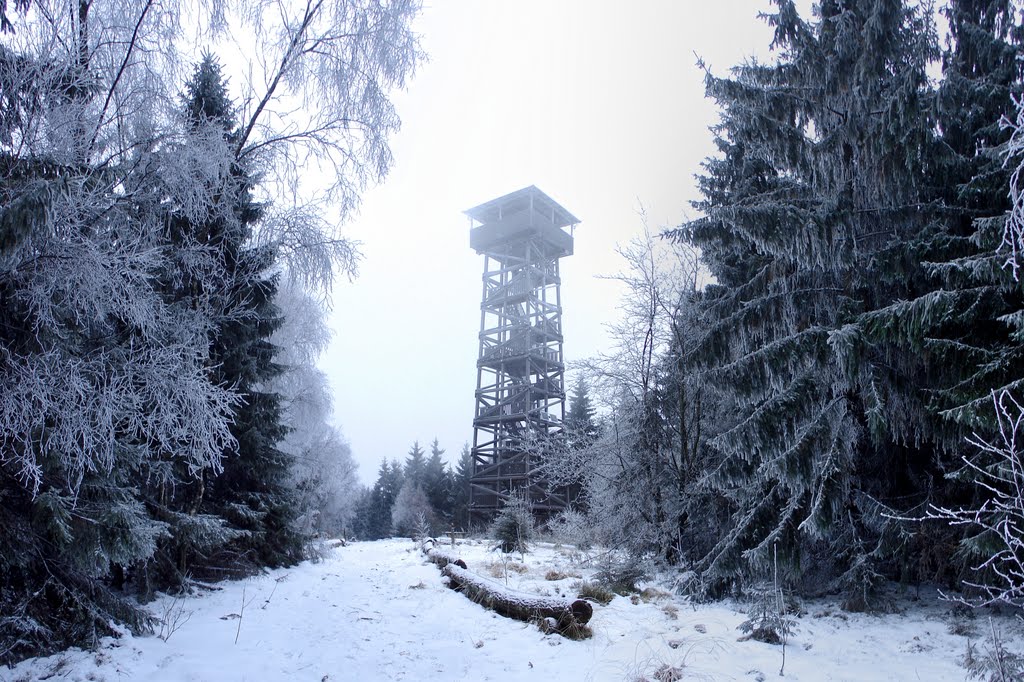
point(442, 558)
point(565, 616)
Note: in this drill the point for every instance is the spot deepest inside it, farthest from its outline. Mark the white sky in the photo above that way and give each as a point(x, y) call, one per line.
point(599, 104)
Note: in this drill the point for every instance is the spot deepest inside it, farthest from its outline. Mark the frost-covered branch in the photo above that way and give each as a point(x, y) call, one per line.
point(659, 279)
point(319, 118)
point(640, 474)
point(1013, 228)
point(998, 520)
point(324, 474)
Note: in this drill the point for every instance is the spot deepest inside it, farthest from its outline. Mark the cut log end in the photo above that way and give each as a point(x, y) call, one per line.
point(582, 611)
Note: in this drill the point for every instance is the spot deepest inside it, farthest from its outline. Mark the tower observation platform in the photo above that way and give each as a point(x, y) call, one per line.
point(520, 393)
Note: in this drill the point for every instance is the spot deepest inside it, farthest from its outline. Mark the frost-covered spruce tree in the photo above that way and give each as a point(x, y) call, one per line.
point(415, 464)
point(460, 489)
point(198, 277)
point(962, 321)
point(99, 375)
point(513, 527)
point(437, 484)
point(373, 515)
point(253, 491)
point(972, 322)
point(224, 272)
point(581, 417)
point(806, 208)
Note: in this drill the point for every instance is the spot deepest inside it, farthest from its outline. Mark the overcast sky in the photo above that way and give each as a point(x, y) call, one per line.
point(599, 104)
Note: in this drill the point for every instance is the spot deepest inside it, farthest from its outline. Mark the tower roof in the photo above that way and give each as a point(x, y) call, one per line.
point(528, 199)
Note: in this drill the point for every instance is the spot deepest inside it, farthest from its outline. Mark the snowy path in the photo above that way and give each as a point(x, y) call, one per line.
point(376, 611)
point(353, 616)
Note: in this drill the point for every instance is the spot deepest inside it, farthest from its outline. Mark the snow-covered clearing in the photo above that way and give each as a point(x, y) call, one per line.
point(379, 611)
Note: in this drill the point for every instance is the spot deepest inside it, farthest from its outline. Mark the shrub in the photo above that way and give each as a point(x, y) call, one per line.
point(501, 569)
point(650, 594)
point(994, 663)
point(620, 576)
point(962, 621)
point(595, 592)
point(668, 673)
point(572, 630)
point(571, 527)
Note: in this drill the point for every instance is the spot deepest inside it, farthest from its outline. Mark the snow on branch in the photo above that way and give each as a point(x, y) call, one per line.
point(1013, 228)
point(335, 63)
point(998, 471)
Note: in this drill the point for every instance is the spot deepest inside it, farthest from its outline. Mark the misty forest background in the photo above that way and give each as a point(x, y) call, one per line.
point(815, 378)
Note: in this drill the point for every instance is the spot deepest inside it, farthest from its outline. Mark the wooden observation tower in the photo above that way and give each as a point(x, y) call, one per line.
point(520, 393)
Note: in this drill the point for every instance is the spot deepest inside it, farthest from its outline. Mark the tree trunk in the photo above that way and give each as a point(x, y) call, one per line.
point(442, 558)
point(565, 616)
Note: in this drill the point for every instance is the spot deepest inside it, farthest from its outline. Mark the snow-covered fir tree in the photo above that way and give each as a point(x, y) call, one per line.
point(580, 419)
point(415, 464)
point(460, 489)
point(817, 188)
point(437, 484)
point(102, 377)
point(960, 320)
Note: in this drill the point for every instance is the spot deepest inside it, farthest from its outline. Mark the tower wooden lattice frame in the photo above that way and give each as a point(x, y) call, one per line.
point(520, 392)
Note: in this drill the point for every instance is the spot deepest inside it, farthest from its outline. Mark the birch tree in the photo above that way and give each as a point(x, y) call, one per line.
point(642, 474)
point(324, 474)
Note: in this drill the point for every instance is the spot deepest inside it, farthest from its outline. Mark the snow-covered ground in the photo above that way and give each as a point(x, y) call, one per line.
point(378, 611)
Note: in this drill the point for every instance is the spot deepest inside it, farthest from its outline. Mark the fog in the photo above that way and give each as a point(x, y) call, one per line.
point(600, 105)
